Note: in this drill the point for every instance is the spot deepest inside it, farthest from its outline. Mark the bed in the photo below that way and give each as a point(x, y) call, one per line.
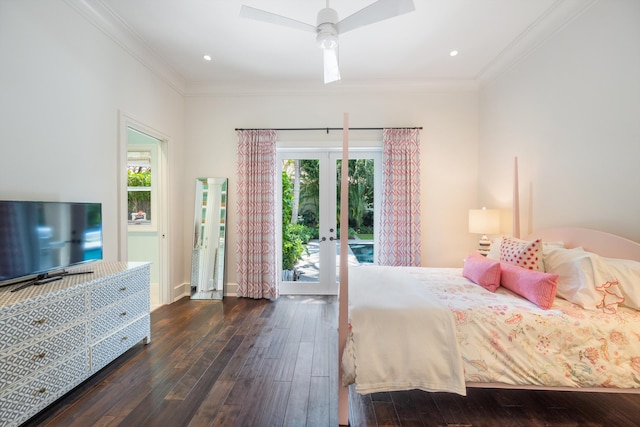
point(572, 322)
point(499, 338)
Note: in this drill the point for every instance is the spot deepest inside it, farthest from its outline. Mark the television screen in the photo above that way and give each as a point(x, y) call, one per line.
point(37, 237)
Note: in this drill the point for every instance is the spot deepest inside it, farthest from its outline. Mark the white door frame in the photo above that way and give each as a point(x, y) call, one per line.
point(125, 122)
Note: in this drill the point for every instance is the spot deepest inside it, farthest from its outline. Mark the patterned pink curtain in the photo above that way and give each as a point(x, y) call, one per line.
point(400, 217)
point(256, 192)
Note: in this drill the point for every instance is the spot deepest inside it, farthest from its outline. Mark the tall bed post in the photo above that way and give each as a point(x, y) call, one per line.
point(343, 295)
point(516, 202)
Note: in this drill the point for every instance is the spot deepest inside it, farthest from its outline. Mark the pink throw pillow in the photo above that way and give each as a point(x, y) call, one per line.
point(522, 253)
point(537, 287)
point(485, 272)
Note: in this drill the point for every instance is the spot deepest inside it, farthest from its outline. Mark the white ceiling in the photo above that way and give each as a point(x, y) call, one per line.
point(412, 48)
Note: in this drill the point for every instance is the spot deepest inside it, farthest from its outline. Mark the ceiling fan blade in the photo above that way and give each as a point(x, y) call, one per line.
point(272, 18)
point(331, 70)
point(375, 12)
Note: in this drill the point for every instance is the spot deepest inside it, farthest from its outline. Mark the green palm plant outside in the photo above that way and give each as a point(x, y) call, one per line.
point(139, 200)
point(361, 175)
point(310, 192)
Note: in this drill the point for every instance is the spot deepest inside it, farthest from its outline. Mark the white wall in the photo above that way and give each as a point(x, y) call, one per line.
point(571, 112)
point(63, 83)
point(448, 153)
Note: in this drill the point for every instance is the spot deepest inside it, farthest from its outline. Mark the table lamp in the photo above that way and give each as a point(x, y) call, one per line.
point(484, 221)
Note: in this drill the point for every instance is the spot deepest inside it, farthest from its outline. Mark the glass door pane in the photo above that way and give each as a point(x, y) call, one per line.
point(300, 220)
point(364, 178)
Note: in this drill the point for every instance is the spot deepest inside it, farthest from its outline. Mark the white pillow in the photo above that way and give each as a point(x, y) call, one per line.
point(494, 251)
point(584, 279)
point(547, 246)
point(627, 272)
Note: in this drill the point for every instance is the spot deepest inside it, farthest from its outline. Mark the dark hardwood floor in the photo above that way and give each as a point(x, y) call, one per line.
point(244, 362)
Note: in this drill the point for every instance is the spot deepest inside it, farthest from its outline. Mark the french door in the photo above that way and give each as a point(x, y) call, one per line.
point(308, 213)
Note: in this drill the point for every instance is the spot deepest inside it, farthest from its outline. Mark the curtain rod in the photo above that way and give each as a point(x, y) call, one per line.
point(328, 129)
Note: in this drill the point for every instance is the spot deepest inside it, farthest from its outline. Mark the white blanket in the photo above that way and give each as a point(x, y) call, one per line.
point(400, 343)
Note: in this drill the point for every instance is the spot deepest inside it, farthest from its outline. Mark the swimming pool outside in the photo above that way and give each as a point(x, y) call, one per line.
point(308, 270)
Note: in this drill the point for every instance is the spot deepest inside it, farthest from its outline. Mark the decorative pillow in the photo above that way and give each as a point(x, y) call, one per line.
point(494, 251)
point(536, 286)
point(584, 279)
point(522, 253)
point(627, 273)
point(485, 272)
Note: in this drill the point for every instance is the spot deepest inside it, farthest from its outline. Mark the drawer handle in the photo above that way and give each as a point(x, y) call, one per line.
point(124, 313)
point(39, 322)
point(39, 356)
point(124, 288)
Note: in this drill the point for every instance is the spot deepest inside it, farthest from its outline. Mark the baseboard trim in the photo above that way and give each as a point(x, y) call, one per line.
point(184, 290)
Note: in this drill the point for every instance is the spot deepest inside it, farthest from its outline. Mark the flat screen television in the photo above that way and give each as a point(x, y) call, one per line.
point(41, 237)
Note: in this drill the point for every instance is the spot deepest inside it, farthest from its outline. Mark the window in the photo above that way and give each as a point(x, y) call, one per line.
point(141, 177)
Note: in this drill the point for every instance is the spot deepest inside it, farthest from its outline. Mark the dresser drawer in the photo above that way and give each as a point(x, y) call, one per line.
point(22, 363)
point(118, 315)
point(26, 398)
point(120, 288)
point(28, 325)
point(105, 351)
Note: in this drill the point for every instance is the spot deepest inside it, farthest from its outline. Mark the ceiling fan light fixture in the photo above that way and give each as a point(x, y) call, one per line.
point(327, 41)
point(327, 37)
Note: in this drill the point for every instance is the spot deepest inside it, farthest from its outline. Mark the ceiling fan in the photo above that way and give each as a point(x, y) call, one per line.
point(328, 28)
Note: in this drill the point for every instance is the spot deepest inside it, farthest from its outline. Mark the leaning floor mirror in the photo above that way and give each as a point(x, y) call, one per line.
point(207, 259)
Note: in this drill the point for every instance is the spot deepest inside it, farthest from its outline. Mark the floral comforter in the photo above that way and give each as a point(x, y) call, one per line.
point(503, 338)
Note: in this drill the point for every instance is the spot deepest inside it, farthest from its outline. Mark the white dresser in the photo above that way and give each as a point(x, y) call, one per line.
point(55, 336)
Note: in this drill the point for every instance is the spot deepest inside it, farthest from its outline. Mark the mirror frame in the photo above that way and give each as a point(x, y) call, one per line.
point(209, 239)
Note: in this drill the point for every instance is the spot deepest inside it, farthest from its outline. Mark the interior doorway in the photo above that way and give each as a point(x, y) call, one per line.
point(143, 204)
point(309, 211)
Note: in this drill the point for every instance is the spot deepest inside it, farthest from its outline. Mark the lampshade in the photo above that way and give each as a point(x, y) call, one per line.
point(484, 221)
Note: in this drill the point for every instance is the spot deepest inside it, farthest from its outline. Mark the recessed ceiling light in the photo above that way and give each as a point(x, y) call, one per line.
point(207, 57)
point(453, 53)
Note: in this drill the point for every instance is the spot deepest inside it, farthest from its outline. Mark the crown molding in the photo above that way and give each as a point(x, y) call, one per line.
point(103, 18)
point(304, 88)
point(537, 34)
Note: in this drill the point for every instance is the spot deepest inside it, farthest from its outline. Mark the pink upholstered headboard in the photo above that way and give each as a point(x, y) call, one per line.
point(605, 244)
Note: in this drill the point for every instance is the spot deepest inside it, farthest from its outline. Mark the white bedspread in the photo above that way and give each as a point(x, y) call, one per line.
point(411, 348)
